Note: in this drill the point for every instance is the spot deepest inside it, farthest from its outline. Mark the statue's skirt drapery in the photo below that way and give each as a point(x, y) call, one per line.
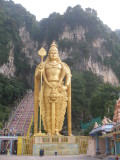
point(48, 97)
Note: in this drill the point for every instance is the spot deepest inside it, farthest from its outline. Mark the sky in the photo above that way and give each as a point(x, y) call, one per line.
point(108, 10)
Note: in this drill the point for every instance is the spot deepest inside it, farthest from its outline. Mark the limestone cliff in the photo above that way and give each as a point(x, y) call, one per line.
point(30, 47)
point(78, 33)
point(97, 51)
point(8, 69)
point(106, 73)
point(94, 60)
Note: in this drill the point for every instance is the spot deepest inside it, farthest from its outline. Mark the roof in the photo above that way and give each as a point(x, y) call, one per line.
point(99, 130)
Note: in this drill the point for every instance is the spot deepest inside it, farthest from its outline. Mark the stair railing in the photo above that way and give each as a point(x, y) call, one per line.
point(27, 115)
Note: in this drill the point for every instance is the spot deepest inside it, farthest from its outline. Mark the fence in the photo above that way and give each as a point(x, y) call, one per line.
point(92, 122)
point(25, 146)
point(82, 142)
point(60, 144)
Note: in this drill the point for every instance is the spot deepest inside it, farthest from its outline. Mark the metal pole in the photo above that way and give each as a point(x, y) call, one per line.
point(97, 145)
point(40, 102)
point(107, 146)
point(0, 145)
point(115, 147)
point(11, 146)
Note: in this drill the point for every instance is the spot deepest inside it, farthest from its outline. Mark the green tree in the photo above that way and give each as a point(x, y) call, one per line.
point(78, 96)
point(103, 101)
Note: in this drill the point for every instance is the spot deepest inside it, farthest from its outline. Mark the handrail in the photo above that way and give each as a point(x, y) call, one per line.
point(28, 132)
point(8, 125)
point(19, 117)
point(27, 115)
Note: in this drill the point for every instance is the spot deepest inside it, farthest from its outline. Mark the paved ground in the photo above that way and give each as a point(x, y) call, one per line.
point(72, 157)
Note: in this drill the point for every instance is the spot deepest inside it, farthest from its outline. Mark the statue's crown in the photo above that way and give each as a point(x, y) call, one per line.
point(53, 47)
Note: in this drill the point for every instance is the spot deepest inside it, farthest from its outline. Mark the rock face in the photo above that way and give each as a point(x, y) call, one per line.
point(78, 33)
point(97, 51)
point(8, 69)
point(106, 73)
point(30, 47)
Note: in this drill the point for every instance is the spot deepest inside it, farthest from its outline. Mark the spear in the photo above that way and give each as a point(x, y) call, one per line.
point(41, 53)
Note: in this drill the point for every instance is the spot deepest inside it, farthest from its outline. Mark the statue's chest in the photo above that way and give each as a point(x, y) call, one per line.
point(53, 72)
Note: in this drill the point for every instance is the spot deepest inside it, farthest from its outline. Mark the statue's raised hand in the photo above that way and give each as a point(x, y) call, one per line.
point(39, 70)
point(64, 87)
point(40, 67)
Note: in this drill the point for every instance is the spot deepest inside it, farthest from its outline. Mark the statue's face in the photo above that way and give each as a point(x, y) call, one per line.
point(53, 55)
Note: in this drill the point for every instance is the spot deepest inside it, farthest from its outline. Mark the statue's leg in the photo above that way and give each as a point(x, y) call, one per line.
point(48, 114)
point(62, 114)
point(57, 117)
point(60, 110)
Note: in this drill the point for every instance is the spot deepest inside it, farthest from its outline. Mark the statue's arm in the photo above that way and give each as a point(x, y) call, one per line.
point(68, 85)
point(36, 94)
point(67, 75)
point(68, 79)
point(39, 70)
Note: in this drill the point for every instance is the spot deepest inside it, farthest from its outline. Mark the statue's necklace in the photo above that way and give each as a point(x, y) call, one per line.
point(53, 64)
point(54, 68)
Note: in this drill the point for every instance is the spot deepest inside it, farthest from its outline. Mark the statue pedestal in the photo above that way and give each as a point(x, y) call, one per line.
point(55, 145)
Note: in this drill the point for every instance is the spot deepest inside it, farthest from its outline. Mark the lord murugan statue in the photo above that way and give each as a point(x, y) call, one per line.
point(52, 93)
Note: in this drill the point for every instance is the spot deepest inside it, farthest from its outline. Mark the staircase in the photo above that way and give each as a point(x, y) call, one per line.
point(22, 117)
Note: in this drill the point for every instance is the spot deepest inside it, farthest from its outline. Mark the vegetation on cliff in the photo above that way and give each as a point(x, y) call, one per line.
point(13, 16)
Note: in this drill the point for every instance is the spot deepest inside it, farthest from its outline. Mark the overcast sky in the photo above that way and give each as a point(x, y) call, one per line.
point(108, 10)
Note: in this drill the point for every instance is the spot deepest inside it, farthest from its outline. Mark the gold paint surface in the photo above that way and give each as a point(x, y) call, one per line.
point(52, 93)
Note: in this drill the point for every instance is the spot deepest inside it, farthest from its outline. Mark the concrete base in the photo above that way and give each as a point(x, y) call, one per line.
point(56, 149)
point(55, 145)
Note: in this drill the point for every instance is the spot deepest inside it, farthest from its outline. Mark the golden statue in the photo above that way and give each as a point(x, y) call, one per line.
point(52, 92)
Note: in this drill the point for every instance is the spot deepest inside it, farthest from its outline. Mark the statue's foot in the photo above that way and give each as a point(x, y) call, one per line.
point(57, 134)
point(49, 134)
